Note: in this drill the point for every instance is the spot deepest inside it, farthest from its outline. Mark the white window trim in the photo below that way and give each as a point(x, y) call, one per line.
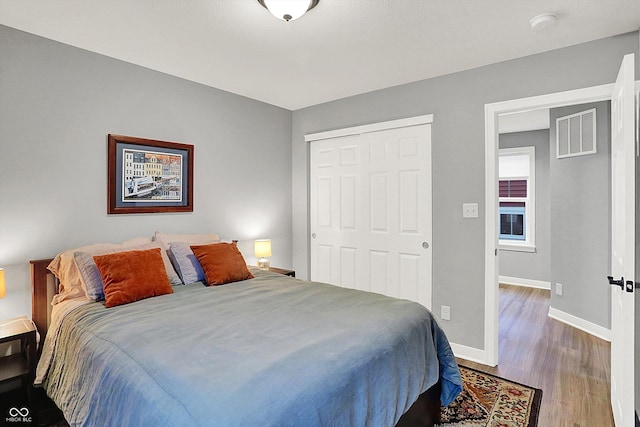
point(529, 244)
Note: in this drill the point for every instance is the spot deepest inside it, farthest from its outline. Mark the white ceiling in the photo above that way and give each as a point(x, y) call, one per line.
point(340, 48)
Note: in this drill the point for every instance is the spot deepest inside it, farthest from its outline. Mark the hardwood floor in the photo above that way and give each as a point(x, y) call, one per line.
point(569, 365)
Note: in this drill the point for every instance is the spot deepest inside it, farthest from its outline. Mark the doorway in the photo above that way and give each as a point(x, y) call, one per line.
point(492, 113)
point(558, 177)
point(624, 100)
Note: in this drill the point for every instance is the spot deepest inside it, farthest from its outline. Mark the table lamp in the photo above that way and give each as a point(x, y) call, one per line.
point(3, 289)
point(262, 250)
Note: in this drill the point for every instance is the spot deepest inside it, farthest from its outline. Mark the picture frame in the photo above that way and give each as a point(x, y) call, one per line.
point(148, 176)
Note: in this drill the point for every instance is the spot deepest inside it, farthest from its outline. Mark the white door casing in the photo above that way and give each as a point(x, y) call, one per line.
point(370, 209)
point(489, 355)
point(623, 158)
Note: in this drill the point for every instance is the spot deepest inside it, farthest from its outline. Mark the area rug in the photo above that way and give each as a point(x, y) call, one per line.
point(487, 400)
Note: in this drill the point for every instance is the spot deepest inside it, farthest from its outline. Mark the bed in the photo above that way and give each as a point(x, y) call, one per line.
point(269, 350)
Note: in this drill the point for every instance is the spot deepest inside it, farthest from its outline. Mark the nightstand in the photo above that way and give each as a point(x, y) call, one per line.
point(283, 271)
point(19, 366)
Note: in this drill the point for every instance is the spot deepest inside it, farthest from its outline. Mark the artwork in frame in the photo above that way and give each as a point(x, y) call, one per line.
point(148, 176)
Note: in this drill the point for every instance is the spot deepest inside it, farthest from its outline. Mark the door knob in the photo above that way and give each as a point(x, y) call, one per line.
point(616, 282)
point(425, 245)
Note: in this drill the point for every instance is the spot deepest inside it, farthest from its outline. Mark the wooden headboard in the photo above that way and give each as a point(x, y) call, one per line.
point(44, 286)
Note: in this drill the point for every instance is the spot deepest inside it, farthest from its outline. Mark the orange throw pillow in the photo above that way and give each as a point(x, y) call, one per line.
point(133, 275)
point(222, 263)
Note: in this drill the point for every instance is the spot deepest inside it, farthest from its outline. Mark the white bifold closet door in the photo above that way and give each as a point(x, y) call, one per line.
point(371, 213)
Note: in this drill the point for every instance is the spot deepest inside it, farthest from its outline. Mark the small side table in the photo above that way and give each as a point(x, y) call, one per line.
point(283, 271)
point(22, 365)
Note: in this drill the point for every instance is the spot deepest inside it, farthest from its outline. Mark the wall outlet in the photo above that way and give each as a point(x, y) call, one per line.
point(469, 210)
point(559, 289)
point(445, 312)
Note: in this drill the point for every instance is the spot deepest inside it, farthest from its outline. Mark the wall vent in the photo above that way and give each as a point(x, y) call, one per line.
point(576, 134)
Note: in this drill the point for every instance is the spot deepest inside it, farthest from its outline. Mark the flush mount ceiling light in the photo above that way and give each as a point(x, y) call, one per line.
point(543, 21)
point(288, 10)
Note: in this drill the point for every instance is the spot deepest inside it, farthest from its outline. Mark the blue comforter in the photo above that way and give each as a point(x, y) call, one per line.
point(270, 351)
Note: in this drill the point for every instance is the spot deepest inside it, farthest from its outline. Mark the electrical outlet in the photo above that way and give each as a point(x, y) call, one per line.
point(469, 210)
point(559, 289)
point(445, 312)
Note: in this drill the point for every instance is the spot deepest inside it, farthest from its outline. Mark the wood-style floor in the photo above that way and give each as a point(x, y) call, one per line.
point(569, 365)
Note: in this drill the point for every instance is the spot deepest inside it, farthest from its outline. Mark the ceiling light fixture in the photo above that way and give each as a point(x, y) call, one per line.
point(288, 10)
point(543, 21)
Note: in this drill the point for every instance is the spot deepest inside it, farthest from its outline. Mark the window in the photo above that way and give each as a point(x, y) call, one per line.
point(516, 190)
point(512, 220)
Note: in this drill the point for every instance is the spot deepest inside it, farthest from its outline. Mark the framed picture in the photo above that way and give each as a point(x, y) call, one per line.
point(148, 176)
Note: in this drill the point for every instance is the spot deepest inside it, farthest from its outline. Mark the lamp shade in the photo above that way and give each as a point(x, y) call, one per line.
point(3, 289)
point(262, 248)
point(288, 10)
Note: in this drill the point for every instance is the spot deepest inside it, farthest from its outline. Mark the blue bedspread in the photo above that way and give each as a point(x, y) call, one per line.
point(271, 351)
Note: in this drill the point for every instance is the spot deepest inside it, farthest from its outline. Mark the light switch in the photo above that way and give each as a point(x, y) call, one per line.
point(469, 210)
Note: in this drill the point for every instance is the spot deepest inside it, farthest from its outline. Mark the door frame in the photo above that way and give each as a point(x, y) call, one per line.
point(371, 127)
point(492, 111)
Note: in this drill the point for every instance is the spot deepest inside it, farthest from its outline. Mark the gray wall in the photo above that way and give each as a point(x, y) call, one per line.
point(57, 105)
point(457, 102)
point(532, 265)
point(581, 224)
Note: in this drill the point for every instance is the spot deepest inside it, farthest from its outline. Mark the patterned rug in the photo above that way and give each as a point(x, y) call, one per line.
point(487, 400)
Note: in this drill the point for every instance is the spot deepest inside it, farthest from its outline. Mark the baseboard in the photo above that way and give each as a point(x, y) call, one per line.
point(583, 325)
point(529, 283)
point(468, 353)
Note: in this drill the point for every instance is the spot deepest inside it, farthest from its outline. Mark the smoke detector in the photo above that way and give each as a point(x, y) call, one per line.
point(543, 21)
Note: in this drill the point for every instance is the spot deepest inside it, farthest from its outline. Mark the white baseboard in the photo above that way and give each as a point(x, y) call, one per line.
point(479, 356)
point(468, 353)
point(529, 283)
point(583, 325)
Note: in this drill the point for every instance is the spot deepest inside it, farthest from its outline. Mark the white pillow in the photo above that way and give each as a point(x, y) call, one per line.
point(64, 267)
point(92, 280)
point(193, 239)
